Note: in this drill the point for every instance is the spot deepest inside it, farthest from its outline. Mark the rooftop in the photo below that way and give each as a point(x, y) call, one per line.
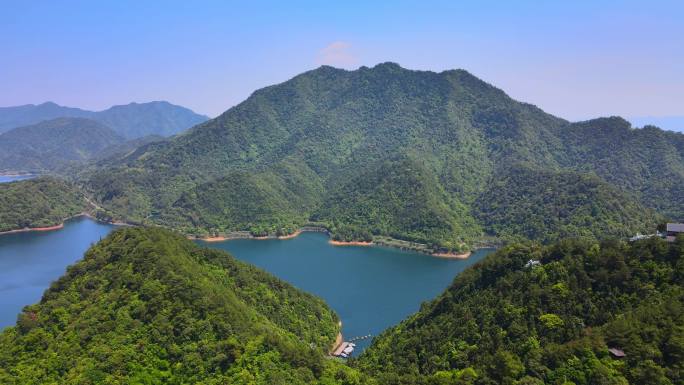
point(340, 349)
point(676, 227)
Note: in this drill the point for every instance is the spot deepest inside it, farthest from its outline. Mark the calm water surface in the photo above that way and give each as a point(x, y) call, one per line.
point(12, 178)
point(371, 288)
point(30, 261)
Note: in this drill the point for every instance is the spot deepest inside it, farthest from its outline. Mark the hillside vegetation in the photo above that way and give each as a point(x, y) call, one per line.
point(267, 202)
point(39, 202)
point(526, 203)
point(146, 306)
point(401, 198)
point(390, 151)
point(506, 321)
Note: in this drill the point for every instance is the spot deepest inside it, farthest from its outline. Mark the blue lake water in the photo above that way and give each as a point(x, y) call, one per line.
point(30, 261)
point(371, 288)
point(13, 178)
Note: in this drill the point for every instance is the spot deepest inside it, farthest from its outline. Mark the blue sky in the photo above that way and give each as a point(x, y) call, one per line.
point(575, 59)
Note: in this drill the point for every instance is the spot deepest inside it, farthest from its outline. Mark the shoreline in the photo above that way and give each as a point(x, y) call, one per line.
point(239, 235)
point(290, 236)
point(61, 225)
point(29, 229)
point(350, 243)
point(453, 255)
point(401, 245)
point(211, 239)
point(17, 174)
point(247, 235)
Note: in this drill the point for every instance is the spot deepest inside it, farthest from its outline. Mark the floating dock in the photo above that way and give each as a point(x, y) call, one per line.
point(360, 338)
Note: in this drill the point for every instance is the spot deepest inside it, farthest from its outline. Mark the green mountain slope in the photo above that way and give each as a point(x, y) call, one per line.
point(117, 151)
point(343, 125)
point(54, 144)
point(401, 198)
point(505, 322)
point(39, 202)
point(646, 162)
point(551, 205)
point(146, 306)
point(268, 202)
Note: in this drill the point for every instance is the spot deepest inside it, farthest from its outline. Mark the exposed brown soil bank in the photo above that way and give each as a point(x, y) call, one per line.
point(453, 255)
point(26, 229)
point(352, 243)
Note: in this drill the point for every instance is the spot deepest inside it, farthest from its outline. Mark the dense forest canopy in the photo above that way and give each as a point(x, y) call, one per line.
point(528, 203)
point(547, 315)
point(38, 202)
point(148, 306)
point(334, 146)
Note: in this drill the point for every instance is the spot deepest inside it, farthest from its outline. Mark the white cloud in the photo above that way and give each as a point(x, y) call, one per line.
point(337, 54)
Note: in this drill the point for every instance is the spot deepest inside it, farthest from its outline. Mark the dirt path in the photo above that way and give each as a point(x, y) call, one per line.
point(338, 340)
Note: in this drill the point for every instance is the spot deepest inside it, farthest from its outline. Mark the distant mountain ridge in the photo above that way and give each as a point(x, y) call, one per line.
point(135, 120)
point(433, 143)
point(54, 144)
point(131, 121)
point(12, 117)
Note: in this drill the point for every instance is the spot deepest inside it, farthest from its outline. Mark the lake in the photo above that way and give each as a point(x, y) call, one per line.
point(13, 178)
point(30, 261)
point(370, 288)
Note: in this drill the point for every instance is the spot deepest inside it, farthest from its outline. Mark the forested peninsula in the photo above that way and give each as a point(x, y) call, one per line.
point(44, 202)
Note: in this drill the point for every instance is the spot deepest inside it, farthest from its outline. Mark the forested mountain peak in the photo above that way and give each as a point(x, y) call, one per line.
point(330, 126)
